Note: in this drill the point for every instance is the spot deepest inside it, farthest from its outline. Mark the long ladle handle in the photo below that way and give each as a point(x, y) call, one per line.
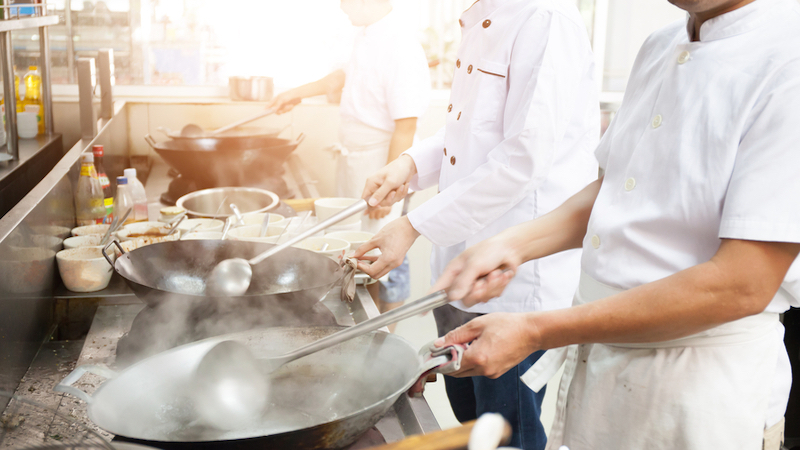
point(355, 208)
point(242, 122)
point(423, 305)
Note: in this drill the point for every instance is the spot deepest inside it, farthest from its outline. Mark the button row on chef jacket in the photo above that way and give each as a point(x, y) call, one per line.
point(683, 57)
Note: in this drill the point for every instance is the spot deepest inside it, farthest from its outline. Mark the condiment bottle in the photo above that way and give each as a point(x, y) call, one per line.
point(123, 201)
point(108, 197)
point(139, 195)
point(33, 96)
point(89, 208)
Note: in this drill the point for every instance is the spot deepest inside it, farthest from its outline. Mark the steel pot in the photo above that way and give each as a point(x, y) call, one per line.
point(254, 89)
point(206, 203)
point(323, 401)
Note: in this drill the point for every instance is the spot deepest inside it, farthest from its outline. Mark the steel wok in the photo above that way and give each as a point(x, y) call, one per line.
point(294, 280)
point(323, 401)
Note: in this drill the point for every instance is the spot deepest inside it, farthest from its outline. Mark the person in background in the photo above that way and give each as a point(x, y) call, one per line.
point(522, 124)
point(674, 340)
point(385, 86)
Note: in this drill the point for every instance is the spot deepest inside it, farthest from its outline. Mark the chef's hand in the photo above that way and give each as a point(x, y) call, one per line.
point(379, 212)
point(390, 184)
point(284, 102)
point(498, 342)
point(481, 272)
point(393, 241)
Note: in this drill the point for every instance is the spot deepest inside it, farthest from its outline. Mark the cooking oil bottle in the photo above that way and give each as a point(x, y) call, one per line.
point(33, 96)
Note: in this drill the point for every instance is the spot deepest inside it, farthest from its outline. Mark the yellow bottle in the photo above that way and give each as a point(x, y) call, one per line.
point(33, 95)
point(16, 91)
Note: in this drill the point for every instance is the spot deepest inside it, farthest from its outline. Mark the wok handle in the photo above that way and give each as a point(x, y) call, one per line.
point(355, 208)
point(66, 385)
point(108, 258)
point(149, 139)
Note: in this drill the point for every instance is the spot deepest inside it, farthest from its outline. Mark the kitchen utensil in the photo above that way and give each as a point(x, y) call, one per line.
point(83, 269)
point(293, 281)
point(176, 225)
point(327, 207)
point(235, 209)
point(321, 402)
point(190, 231)
point(231, 386)
point(205, 203)
point(232, 277)
point(226, 161)
point(115, 224)
point(258, 89)
point(226, 228)
point(238, 133)
point(486, 433)
point(239, 123)
point(192, 131)
point(264, 225)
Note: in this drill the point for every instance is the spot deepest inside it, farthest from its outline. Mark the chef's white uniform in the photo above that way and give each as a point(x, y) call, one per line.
point(704, 147)
point(387, 79)
point(521, 128)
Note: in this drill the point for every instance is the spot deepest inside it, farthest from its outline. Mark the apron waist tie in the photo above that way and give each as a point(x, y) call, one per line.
point(737, 332)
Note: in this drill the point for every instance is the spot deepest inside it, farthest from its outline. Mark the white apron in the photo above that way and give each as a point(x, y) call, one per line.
point(362, 152)
point(706, 391)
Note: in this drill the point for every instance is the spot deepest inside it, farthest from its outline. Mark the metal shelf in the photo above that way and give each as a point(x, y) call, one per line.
point(27, 22)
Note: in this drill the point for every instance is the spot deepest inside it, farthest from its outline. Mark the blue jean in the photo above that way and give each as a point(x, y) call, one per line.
point(472, 396)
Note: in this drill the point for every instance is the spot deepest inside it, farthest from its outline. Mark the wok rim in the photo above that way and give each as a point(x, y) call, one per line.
point(127, 279)
point(393, 397)
point(273, 196)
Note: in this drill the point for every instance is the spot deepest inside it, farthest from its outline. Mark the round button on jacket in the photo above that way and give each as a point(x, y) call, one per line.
point(469, 69)
point(657, 121)
point(596, 241)
point(683, 57)
point(452, 160)
point(450, 108)
point(487, 23)
point(445, 151)
point(630, 183)
point(458, 63)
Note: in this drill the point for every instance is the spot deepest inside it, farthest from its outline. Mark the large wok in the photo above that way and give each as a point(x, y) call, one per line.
point(226, 161)
point(323, 401)
point(294, 280)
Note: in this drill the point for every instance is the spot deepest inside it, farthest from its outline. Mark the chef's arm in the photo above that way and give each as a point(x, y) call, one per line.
point(285, 101)
point(740, 280)
point(402, 138)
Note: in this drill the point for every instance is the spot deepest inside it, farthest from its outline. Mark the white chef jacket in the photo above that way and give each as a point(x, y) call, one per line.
point(704, 147)
point(387, 76)
point(521, 128)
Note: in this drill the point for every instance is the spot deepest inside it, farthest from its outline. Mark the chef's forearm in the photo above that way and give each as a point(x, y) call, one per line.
point(739, 281)
point(331, 83)
point(402, 138)
point(559, 230)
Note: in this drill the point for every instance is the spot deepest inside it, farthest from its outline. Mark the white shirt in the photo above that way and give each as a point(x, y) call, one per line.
point(521, 128)
point(705, 146)
point(387, 76)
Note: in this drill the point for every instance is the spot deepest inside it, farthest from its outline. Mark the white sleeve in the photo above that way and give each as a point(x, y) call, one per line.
point(427, 156)
point(551, 55)
point(408, 87)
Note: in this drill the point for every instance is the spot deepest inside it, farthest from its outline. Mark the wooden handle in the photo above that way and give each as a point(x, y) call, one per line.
point(452, 439)
point(301, 204)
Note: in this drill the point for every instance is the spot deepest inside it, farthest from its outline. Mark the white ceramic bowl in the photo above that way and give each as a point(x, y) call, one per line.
point(84, 269)
point(90, 240)
point(144, 230)
point(257, 218)
point(27, 125)
point(90, 229)
point(53, 230)
point(346, 227)
point(251, 233)
point(355, 238)
point(336, 247)
point(203, 236)
point(206, 225)
point(326, 207)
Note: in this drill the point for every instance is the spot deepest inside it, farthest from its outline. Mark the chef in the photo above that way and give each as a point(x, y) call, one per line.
point(521, 126)
point(385, 86)
point(674, 340)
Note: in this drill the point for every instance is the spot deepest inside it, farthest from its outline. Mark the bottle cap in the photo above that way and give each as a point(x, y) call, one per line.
point(130, 173)
point(87, 158)
point(32, 68)
point(97, 150)
point(122, 181)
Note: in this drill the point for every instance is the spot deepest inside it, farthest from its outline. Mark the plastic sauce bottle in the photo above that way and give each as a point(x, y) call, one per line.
point(33, 96)
point(123, 201)
point(108, 197)
point(89, 207)
point(139, 195)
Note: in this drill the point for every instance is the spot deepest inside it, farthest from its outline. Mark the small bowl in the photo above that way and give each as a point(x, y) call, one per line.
point(90, 229)
point(206, 225)
point(327, 207)
point(336, 247)
point(258, 218)
point(355, 238)
point(84, 269)
point(90, 240)
point(203, 236)
point(146, 230)
point(251, 232)
point(53, 230)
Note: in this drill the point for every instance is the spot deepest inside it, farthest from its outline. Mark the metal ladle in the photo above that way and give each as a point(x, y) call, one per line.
point(231, 385)
point(231, 277)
